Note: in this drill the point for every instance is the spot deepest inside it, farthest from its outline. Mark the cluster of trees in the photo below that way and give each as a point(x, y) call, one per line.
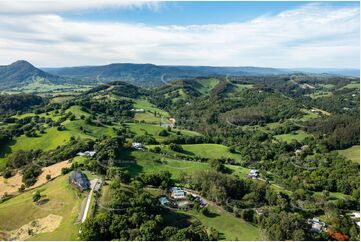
point(337, 131)
point(10, 104)
point(135, 216)
point(162, 179)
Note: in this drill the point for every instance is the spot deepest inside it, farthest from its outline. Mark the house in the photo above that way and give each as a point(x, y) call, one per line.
point(254, 174)
point(177, 193)
point(316, 224)
point(137, 146)
point(86, 153)
point(140, 110)
point(79, 180)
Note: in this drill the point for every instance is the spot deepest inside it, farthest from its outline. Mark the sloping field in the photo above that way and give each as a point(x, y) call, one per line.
point(212, 151)
point(12, 184)
point(58, 198)
point(231, 228)
point(352, 153)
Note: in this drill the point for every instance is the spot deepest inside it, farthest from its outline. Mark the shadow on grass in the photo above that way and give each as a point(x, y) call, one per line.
point(210, 214)
point(176, 219)
point(128, 162)
point(6, 149)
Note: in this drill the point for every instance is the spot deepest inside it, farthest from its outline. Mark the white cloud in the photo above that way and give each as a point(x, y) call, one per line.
point(312, 36)
point(58, 6)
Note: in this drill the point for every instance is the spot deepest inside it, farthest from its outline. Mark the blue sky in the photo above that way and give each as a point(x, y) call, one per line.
point(188, 13)
point(273, 34)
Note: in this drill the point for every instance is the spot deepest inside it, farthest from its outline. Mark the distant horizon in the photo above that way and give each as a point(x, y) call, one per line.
point(245, 66)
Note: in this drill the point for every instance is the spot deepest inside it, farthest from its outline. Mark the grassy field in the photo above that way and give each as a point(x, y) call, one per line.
point(230, 227)
point(40, 85)
point(146, 105)
point(63, 201)
point(327, 86)
point(137, 162)
point(319, 94)
point(352, 85)
point(141, 129)
point(352, 153)
point(48, 141)
point(205, 85)
point(299, 136)
point(149, 118)
point(54, 138)
point(212, 151)
point(308, 115)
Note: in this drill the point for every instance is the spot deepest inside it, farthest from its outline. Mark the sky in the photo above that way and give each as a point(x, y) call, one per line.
point(93, 32)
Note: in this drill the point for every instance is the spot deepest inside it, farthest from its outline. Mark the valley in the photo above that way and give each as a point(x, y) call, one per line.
point(259, 148)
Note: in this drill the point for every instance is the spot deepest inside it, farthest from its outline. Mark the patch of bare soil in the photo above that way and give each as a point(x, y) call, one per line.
point(11, 184)
point(53, 171)
point(37, 226)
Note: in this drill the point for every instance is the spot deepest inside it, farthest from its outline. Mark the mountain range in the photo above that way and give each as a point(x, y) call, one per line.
point(22, 73)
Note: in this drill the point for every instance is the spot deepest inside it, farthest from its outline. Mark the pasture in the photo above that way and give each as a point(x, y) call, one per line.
point(352, 153)
point(138, 162)
point(230, 227)
point(146, 105)
point(211, 151)
point(298, 135)
point(59, 198)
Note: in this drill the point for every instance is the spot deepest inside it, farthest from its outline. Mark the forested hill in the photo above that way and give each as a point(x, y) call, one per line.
point(21, 73)
point(153, 75)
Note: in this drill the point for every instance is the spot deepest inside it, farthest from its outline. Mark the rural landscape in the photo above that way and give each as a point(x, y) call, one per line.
point(172, 152)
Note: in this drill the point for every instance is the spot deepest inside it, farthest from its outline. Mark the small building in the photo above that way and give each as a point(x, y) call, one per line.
point(254, 174)
point(79, 180)
point(137, 146)
point(177, 193)
point(140, 110)
point(202, 203)
point(316, 224)
point(164, 201)
point(86, 153)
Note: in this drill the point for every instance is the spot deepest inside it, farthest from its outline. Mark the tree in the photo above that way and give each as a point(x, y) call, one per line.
point(176, 147)
point(36, 196)
point(163, 133)
point(48, 177)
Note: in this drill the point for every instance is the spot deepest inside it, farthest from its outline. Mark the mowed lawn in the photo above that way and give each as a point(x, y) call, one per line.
point(299, 136)
point(230, 227)
point(63, 201)
point(352, 153)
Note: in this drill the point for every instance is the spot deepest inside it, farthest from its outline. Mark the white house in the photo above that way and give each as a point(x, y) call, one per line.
point(316, 224)
point(86, 153)
point(137, 146)
point(177, 193)
point(140, 110)
point(254, 174)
